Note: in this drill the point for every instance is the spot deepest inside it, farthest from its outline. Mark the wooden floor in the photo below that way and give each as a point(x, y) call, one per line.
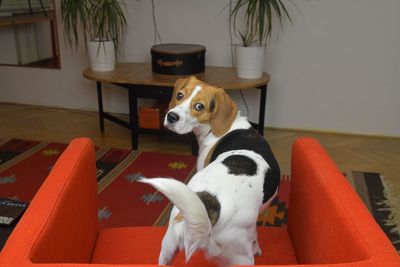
point(350, 152)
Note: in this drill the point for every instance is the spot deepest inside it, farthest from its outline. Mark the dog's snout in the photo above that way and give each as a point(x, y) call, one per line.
point(172, 117)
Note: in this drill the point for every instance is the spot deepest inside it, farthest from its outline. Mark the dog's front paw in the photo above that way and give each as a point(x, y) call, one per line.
point(256, 249)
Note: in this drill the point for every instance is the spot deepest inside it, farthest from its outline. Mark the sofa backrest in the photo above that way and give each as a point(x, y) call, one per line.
point(328, 222)
point(60, 224)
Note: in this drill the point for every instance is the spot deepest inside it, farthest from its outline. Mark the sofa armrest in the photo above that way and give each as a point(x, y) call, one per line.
point(60, 224)
point(328, 222)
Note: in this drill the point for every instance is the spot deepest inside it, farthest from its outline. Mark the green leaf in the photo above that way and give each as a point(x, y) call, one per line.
point(258, 18)
point(96, 19)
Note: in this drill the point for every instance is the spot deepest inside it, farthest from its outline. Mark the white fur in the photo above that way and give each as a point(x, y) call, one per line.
point(187, 121)
point(233, 239)
point(197, 226)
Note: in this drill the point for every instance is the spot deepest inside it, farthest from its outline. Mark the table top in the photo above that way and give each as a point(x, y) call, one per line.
point(141, 74)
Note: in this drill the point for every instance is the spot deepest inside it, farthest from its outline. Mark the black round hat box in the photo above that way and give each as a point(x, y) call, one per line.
point(178, 59)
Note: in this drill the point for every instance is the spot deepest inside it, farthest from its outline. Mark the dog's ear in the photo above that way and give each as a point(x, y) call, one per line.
point(225, 111)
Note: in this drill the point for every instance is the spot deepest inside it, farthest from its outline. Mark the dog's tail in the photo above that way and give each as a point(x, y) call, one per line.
point(197, 223)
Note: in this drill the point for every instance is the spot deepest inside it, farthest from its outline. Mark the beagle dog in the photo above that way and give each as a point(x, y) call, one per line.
point(237, 178)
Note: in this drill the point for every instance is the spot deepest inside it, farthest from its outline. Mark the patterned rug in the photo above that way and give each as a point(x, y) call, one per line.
point(25, 164)
point(381, 200)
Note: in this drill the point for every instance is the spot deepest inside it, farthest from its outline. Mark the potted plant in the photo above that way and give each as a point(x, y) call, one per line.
point(258, 22)
point(101, 24)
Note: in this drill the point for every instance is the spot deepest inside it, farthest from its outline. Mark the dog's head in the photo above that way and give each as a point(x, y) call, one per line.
point(195, 103)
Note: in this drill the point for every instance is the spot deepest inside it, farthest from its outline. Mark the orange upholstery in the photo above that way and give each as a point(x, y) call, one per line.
point(316, 182)
point(116, 246)
point(328, 224)
point(60, 225)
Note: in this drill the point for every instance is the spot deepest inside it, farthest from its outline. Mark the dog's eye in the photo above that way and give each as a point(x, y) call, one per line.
point(179, 96)
point(198, 106)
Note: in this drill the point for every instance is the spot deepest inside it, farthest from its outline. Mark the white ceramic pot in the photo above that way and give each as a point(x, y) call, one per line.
point(249, 61)
point(101, 55)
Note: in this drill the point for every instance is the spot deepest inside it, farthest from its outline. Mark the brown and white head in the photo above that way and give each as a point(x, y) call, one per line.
point(197, 104)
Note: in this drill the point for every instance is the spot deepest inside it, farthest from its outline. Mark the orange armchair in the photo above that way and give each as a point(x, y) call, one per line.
point(328, 223)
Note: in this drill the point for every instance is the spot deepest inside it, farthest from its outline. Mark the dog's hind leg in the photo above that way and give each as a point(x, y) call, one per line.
point(256, 247)
point(169, 247)
point(238, 249)
point(238, 259)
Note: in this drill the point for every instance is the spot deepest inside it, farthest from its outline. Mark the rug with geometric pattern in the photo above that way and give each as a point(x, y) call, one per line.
point(24, 164)
point(382, 201)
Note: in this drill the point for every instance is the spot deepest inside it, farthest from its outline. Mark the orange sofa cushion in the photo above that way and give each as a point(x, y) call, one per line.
point(60, 224)
point(142, 245)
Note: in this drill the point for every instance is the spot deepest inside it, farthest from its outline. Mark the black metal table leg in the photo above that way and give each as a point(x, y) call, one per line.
point(133, 117)
point(261, 117)
point(195, 144)
point(100, 102)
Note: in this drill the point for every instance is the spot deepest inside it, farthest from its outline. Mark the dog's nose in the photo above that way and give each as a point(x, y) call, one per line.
point(172, 117)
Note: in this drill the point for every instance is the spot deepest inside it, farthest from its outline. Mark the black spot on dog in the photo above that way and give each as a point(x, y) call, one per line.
point(240, 165)
point(212, 205)
point(250, 139)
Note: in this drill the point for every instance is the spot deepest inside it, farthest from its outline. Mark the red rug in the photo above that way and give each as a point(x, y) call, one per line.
point(25, 164)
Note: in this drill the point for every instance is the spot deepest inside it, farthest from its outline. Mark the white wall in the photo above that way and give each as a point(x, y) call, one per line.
point(334, 69)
